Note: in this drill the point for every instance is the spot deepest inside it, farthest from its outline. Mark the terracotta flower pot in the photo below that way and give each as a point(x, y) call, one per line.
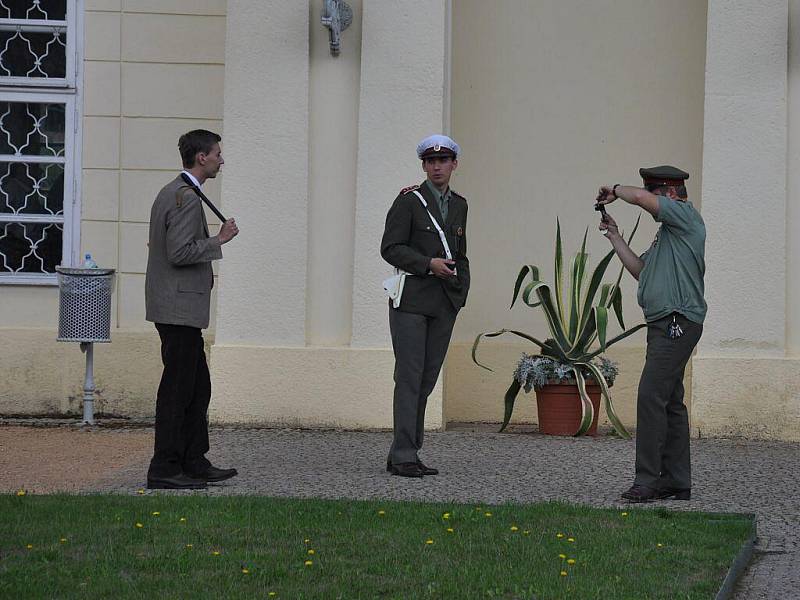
point(559, 406)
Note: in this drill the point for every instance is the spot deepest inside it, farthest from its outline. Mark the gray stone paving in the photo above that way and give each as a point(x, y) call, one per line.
point(479, 466)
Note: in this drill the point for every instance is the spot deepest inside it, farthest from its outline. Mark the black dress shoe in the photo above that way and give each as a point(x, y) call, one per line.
point(674, 493)
point(406, 470)
point(181, 481)
point(214, 474)
point(427, 470)
point(640, 493)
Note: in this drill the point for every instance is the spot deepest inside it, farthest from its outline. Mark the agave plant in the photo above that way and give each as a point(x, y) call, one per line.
point(577, 318)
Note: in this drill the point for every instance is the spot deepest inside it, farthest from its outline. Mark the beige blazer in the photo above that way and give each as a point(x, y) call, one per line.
point(179, 277)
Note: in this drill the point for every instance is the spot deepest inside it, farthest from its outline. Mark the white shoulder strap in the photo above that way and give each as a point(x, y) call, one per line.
point(436, 224)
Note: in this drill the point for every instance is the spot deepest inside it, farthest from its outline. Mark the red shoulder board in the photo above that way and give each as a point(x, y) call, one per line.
point(410, 188)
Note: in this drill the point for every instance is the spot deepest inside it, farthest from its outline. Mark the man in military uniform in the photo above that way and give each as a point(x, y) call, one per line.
point(425, 237)
point(670, 276)
point(177, 298)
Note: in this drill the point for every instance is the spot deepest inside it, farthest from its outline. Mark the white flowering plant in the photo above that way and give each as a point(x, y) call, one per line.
point(578, 319)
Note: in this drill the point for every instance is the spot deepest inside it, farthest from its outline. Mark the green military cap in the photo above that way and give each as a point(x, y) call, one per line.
point(663, 175)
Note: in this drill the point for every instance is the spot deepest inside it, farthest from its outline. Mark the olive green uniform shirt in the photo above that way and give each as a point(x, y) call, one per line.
point(674, 266)
point(442, 200)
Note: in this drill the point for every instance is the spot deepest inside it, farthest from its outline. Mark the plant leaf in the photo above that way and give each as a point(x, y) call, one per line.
point(616, 339)
point(559, 274)
point(529, 289)
point(616, 303)
point(534, 271)
point(587, 408)
point(577, 272)
point(601, 319)
point(510, 397)
point(594, 285)
point(612, 416)
point(551, 314)
point(542, 345)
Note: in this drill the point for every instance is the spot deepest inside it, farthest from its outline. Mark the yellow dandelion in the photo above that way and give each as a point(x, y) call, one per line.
point(272, 594)
point(183, 519)
point(570, 540)
point(562, 556)
point(63, 540)
point(140, 492)
point(29, 546)
point(659, 545)
point(308, 563)
point(139, 525)
point(381, 512)
point(156, 513)
point(563, 573)
point(624, 514)
point(306, 540)
point(215, 553)
point(190, 546)
point(571, 561)
point(487, 514)
point(514, 528)
point(21, 492)
point(526, 532)
point(446, 516)
point(428, 541)
point(559, 535)
point(245, 571)
point(311, 551)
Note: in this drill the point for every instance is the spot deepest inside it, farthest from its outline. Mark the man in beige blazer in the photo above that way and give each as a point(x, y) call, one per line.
point(177, 298)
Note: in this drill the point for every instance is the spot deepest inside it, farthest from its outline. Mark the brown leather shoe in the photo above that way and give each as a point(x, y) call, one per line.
point(674, 494)
point(640, 493)
point(407, 470)
point(427, 470)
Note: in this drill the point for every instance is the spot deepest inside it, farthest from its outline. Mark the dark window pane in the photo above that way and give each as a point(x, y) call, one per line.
point(32, 188)
point(51, 10)
point(32, 129)
point(30, 247)
point(33, 54)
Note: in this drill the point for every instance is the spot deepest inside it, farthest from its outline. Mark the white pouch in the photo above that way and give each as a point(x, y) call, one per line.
point(394, 286)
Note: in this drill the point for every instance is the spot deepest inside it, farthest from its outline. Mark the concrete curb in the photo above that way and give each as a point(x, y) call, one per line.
point(739, 564)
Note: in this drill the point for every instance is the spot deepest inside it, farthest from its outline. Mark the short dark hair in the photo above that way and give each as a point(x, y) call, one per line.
point(195, 141)
point(680, 190)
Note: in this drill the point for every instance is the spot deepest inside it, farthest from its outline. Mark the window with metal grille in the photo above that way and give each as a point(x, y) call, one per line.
point(38, 126)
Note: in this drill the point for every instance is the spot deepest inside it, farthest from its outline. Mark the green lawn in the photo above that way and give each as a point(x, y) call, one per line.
point(253, 547)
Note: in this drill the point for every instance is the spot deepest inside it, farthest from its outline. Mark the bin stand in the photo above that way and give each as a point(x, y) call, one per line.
point(84, 315)
point(88, 383)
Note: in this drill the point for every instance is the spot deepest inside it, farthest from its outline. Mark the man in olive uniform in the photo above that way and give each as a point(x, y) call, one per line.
point(670, 276)
point(425, 237)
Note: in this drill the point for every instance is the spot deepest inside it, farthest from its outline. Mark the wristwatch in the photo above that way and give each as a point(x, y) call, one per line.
point(614, 189)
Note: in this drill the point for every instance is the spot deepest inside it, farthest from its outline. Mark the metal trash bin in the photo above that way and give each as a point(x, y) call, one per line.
point(84, 315)
point(84, 308)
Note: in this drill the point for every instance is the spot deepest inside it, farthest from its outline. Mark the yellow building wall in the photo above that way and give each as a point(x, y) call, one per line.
point(550, 100)
point(146, 80)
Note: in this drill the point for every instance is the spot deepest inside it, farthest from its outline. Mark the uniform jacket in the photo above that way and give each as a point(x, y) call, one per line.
point(179, 276)
point(409, 242)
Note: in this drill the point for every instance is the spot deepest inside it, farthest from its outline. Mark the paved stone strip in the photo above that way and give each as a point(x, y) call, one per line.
point(478, 466)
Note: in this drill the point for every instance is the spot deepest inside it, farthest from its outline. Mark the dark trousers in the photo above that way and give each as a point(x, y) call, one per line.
point(420, 345)
point(182, 404)
point(662, 421)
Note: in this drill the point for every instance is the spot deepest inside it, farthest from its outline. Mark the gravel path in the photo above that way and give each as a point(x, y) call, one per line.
point(476, 464)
